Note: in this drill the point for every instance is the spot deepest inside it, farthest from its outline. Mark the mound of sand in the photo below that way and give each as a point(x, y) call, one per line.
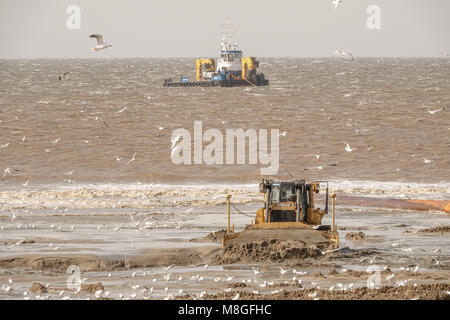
point(215, 236)
point(272, 250)
point(92, 287)
point(53, 263)
point(423, 292)
point(37, 287)
point(438, 229)
point(148, 259)
point(355, 236)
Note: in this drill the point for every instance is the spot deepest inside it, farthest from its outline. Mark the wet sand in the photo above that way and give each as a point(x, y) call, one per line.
point(142, 250)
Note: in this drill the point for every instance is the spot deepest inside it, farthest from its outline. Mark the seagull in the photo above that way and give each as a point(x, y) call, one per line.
point(341, 53)
point(5, 172)
point(100, 44)
point(336, 3)
point(122, 110)
point(100, 119)
point(62, 76)
point(236, 297)
point(329, 251)
point(276, 291)
point(131, 160)
point(168, 267)
point(347, 147)
point(426, 160)
point(98, 293)
point(16, 244)
point(445, 54)
point(436, 111)
point(56, 141)
point(282, 271)
point(256, 271)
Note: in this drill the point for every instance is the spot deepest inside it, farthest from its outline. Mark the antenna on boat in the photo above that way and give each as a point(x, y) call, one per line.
point(228, 35)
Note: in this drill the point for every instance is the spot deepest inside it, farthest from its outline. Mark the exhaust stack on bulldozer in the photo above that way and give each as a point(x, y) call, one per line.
point(289, 213)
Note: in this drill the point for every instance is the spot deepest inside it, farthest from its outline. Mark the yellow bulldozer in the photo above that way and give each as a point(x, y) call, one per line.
point(289, 213)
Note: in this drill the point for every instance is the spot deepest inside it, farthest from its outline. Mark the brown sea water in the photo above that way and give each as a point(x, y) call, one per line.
point(379, 106)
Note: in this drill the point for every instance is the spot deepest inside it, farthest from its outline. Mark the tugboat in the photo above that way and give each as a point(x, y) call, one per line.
point(233, 69)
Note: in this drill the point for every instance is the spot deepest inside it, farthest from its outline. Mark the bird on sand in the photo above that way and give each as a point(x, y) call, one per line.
point(282, 271)
point(256, 270)
point(17, 243)
point(168, 267)
point(327, 251)
point(100, 44)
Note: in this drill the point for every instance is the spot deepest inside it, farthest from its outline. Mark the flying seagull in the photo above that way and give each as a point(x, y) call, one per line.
point(436, 111)
point(347, 147)
point(62, 76)
point(343, 54)
point(100, 44)
point(336, 3)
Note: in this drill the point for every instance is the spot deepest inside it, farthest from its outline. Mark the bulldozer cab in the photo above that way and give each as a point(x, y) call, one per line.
point(290, 202)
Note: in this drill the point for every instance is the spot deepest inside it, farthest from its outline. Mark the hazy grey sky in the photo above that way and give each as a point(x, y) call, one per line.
point(192, 28)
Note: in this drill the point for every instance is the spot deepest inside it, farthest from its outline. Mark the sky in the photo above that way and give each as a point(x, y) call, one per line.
point(193, 28)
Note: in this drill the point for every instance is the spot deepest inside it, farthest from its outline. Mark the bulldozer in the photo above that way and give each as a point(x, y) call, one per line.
point(289, 213)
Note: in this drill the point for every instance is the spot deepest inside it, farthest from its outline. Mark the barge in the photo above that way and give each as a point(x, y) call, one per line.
point(232, 70)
